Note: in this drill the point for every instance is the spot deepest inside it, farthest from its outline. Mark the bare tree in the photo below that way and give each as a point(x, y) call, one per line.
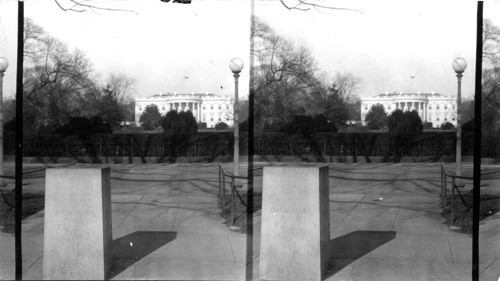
point(54, 77)
point(491, 46)
point(306, 5)
point(282, 76)
point(347, 85)
point(86, 5)
point(491, 78)
point(121, 87)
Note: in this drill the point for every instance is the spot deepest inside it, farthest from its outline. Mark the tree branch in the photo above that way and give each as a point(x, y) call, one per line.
point(80, 6)
point(304, 5)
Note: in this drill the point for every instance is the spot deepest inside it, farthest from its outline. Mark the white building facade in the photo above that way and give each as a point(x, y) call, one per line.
point(206, 107)
point(431, 107)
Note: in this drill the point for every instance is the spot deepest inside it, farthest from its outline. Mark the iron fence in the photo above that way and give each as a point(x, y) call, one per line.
point(196, 147)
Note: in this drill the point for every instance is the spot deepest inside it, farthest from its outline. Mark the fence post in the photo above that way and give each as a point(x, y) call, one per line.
point(452, 201)
point(232, 201)
point(223, 190)
point(356, 146)
point(219, 180)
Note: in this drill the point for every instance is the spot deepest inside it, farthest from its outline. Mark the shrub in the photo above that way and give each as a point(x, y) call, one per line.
point(182, 122)
point(151, 118)
point(447, 126)
point(376, 118)
point(221, 126)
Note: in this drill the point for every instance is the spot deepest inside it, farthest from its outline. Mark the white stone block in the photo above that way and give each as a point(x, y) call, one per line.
point(78, 227)
point(295, 232)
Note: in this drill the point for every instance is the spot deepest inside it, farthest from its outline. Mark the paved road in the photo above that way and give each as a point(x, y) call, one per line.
point(385, 224)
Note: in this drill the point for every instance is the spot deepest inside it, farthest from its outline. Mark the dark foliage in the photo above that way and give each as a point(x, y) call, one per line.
point(376, 118)
point(202, 125)
point(82, 126)
point(427, 125)
point(151, 118)
point(404, 128)
point(179, 122)
point(244, 126)
point(306, 125)
point(405, 123)
point(221, 126)
point(468, 126)
point(447, 126)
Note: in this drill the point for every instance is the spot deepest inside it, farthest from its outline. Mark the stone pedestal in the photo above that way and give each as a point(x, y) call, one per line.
point(78, 227)
point(295, 223)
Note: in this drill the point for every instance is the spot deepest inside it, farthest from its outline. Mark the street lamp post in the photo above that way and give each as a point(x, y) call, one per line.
point(4, 63)
point(459, 65)
point(236, 65)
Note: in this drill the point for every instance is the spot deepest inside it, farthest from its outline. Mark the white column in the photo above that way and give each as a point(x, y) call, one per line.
point(425, 111)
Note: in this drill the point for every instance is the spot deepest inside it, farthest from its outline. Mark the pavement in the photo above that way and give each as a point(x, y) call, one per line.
point(385, 224)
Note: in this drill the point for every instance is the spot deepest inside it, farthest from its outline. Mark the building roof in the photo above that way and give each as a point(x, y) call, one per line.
point(176, 95)
point(401, 94)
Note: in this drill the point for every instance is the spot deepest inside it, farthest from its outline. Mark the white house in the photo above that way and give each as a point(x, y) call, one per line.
point(431, 107)
point(206, 107)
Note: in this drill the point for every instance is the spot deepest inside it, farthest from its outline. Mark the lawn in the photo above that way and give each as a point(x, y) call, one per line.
point(490, 204)
point(32, 204)
point(240, 211)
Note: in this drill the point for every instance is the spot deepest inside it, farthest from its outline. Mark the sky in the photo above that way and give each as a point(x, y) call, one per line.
point(160, 44)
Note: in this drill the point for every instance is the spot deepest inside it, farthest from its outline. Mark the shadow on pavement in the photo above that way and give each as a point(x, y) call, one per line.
point(131, 248)
point(355, 245)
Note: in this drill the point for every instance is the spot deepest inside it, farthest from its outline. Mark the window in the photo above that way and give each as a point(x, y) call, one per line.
point(453, 119)
point(437, 107)
point(430, 106)
point(162, 107)
point(445, 107)
point(389, 107)
point(437, 118)
point(211, 117)
point(204, 117)
point(453, 107)
point(366, 107)
point(220, 116)
point(227, 118)
point(140, 107)
point(430, 116)
point(227, 106)
point(220, 107)
point(204, 107)
point(211, 107)
point(445, 119)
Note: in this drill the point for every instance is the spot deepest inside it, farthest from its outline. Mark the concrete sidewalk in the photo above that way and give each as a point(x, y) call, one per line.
point(385, 223)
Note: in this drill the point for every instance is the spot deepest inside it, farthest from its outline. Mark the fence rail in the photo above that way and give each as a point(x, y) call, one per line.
point(454, 187)
point(192, 147)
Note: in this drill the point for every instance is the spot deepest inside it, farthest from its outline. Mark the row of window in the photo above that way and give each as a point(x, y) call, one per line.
point(204, 117)
point(204, 107)
point(438, 118)
point(430, 107)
